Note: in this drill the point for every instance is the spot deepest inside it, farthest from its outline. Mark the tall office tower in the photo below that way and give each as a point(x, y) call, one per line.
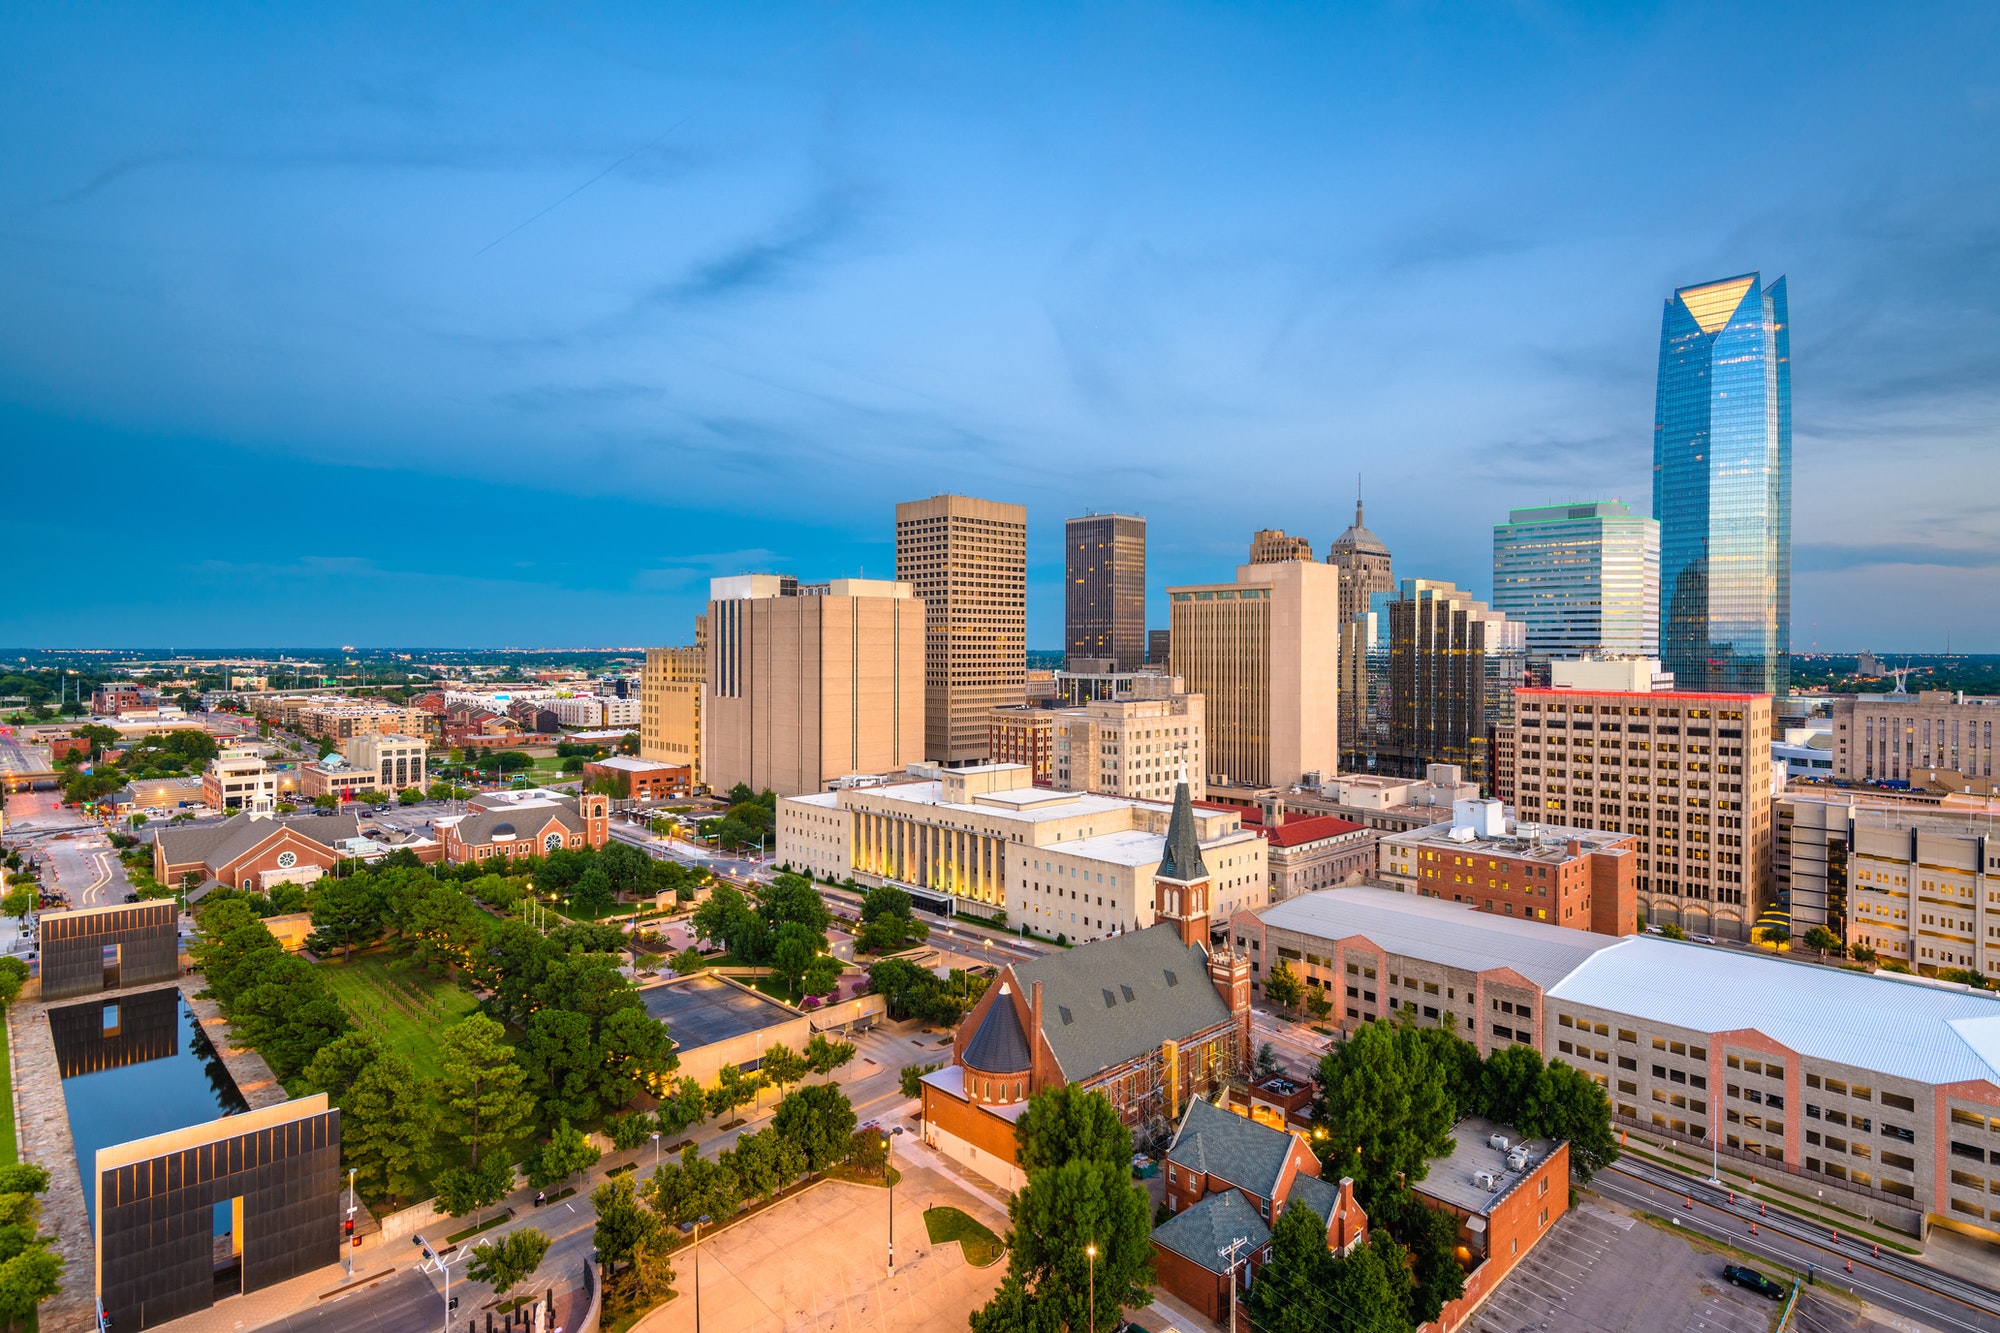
point(1363, 562)
point(670, 702)
point(1688, 773)
point(1159, 647)
point(1269, 546)
point(1584, 577)
point(968, 561)
point(1722, 486)
point(1364, 683)
point(1264, 653)
point(1104, 599)
point(809, 683)
point(1454, 664)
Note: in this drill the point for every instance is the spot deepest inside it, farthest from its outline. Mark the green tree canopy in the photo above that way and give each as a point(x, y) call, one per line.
point(818, 1120)
point(482, 1084)
point(1067, 1124)
point(1386, 1105)
point(504, 1263)
point(623, 1222)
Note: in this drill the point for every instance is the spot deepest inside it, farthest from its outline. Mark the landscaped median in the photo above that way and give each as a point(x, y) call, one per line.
point(976, 1240)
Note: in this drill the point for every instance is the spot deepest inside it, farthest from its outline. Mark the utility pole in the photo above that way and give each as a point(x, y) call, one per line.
point(1230, 1254)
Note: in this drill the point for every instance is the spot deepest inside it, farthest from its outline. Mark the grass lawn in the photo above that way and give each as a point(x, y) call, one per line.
point(977, 1240)
point(7, 1148)
point(401, 1006)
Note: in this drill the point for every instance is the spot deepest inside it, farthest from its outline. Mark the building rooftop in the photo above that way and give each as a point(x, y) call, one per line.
point(1478, 1173)
point(1112, 999)
point(1310, 828)
point(702, 1010)
point(1204, 1232)
point(1234, 1147)
point(1452, 934)
point(1540, 842)
point(629, 764)
point(1909, 1028)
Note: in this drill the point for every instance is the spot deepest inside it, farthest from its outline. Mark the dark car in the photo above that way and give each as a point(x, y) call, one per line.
point(1751, 1280)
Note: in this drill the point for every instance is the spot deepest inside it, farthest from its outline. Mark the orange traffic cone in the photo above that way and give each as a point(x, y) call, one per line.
point(1753, 1228)
point(1688, 1203)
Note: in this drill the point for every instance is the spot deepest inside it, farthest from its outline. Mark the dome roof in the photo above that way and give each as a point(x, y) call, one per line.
point(1357, 538)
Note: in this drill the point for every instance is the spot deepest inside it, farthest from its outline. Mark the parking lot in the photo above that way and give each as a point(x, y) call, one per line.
point(1601, 1271)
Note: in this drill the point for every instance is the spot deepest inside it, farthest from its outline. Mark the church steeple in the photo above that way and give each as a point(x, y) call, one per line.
point(1180, 885)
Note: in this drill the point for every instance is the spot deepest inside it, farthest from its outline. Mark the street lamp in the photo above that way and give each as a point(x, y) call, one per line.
point(695, 1227)
point(656, 1150)
point(888, 1180)
point(350, 1222)
point(1090, 1253)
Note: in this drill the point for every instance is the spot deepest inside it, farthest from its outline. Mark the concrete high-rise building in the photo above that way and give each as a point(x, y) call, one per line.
point(1264, 654)
point(967, 560)
point(1269, 546)
point(1887, 737)
point(1135, 743)
point(1454, 664)
point(1687, 773)
point(1104, 591)
point(806, 684)
point(670, 702)
point(1364, 565)
point(1722, 485)
point(1584, 578)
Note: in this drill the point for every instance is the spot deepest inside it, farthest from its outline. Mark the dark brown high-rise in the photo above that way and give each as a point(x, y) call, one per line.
point(1104, 605)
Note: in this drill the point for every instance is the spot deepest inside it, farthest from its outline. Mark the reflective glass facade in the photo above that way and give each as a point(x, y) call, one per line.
point(1104, 603)
point(1585, 578)
point(1722, 485)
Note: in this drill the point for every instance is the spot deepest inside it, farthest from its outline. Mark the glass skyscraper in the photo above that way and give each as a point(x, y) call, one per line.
point(1585, 578)
point(1722, 486)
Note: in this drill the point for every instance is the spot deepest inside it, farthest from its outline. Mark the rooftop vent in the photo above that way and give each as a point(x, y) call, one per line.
point(1110, 1000)
point(1172, 980)
point(1127, 992)
point(1063, 1009)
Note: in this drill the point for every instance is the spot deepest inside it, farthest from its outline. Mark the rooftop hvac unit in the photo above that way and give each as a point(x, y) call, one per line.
point(1486, 1180)
point(1517, 1160)
point(1497, 1141)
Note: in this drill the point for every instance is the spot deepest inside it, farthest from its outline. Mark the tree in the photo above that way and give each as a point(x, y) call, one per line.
point(511, 761)
point(818, 1120)
point(692, 1188)
point(13, 975)
point(592, 895)
point(1282, 987)
point(824, 1055)
point(623, 1223)
point(347, 912)
point(888, 922)
point(482, 1083)
point(340, 1063)
point(473, 1189)
point(410, 796)
point(1317, 1005)
point(572, 763)
point(501, 1264)
point(790, 960)
point(1430, 1235)
point(389, 1127)
point(687, 962)
point(1267, 1061)
point(1817, 937)
point(19, 902)
point(1304, 1288)
point(1386, 1105)
point(1673, 932)
point(688, 1105)
point(791, 899)
point(30, 1271)
point(283, 1006)
point(911, 1079)
point(1775, 934)
point(733, 1088)
point(1050, 1279)
point(823, 976)
point(764, 1163)
point(783, 1066)
point(566, 1153)
point(1065, 1124)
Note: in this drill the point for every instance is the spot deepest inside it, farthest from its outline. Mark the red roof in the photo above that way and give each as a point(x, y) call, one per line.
point(1298, 829)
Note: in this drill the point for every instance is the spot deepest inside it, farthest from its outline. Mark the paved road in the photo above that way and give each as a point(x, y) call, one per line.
point(404, 1302)
point(1892, 1281)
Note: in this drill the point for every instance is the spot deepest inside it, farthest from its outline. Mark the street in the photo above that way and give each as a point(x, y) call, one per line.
point(1890, 1280)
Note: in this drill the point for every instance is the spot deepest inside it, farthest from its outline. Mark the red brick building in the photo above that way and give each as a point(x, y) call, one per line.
point(254, 851)
point(1506, 1193)
point(1154, 1019)
point(1023, 736)
point(534, 826)
point(1229, 1178)
point(1582, 878)
point(1309, 852)
point(645, 779)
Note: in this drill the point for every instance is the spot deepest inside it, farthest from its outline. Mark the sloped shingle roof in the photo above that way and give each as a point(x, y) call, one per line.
point(1234, 1147)
point(1123, 996)
point(1202, 1232)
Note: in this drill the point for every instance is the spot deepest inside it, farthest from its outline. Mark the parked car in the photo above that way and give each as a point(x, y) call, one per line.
point(1751, 1280)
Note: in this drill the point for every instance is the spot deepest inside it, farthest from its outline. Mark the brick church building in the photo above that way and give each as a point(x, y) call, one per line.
point(1154, 1019)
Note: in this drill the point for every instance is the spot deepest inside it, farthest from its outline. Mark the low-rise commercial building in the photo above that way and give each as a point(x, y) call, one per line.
point(334, 776)
point(986, 839)
point(1881, 1091)
point(1581, 878)
point(339, 721)
point(670, 702)
point(534, 823)
point(1307, 852)
point(1138, 743)
point(1886, 737)
point(1917, 884)
point(239, 779)
point(254, 851)
point(397, 761)
point(643, 779)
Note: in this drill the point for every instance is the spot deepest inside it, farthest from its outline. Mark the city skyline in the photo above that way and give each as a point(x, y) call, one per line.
point(715, 297)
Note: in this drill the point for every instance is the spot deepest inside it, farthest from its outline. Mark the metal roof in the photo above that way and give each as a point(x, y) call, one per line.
point(1452, 934)
point(1931, 1034)
point(999, 1046)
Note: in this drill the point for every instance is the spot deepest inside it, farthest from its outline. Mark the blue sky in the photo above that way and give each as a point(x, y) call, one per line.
point(410, 324)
